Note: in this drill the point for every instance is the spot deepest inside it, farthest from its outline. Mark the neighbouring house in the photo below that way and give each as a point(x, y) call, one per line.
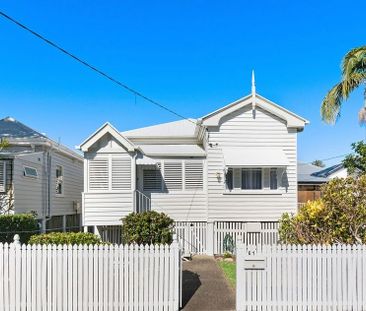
point(233, 169)
point(39, 175)
point(310, 178)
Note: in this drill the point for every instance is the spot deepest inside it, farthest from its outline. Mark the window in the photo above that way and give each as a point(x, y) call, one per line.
point(2, 176)
point(273, 179)
point(59, 180)
point(229, 179)
point(173, 175)
point(121, 173)
point(98, 174)
point(30, 172)
point(193, 175)
point(251, 178)
point(152, 180)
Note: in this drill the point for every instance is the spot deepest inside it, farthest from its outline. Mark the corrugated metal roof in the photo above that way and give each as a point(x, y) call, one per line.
point(181, 128)
point(11, 128)
point(306, 173)
point(329, 170)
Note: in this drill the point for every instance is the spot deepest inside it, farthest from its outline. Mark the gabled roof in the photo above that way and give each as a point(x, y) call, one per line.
point(180, 128)
point(306, 173)
point(106, 128)
point(329, 170)
point(293, 120)
point(13, 129)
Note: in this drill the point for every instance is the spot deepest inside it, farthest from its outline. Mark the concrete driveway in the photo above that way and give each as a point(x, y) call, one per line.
point(205, 286)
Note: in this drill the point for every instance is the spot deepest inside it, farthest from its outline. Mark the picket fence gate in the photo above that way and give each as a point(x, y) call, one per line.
point(310, 277)
point(81, 277)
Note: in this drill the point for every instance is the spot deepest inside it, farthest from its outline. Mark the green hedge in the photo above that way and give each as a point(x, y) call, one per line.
point(69, 238)
point(23, 224)
point(147, 228)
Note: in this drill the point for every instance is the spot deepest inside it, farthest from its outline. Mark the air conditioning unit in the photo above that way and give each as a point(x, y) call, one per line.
point(77, 206)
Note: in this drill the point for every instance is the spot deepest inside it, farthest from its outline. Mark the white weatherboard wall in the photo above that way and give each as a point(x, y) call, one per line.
point(82, 277)
point(103, 202)
point(241, 129)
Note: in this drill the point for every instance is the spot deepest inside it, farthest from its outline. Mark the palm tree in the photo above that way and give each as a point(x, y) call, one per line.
point(353, 75)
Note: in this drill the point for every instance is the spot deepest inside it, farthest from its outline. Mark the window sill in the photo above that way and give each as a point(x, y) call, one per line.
point(251, 192)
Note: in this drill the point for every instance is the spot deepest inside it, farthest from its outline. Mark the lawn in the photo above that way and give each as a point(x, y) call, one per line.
point(229, 269)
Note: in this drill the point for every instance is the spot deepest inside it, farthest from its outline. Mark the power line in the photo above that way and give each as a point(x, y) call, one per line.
point(100, 72)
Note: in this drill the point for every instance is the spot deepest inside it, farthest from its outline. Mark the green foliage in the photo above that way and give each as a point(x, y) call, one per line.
point(339, 217)
point(147, 228)
point(23, 224)
point(356, 163)
point(319, 163)
point(353, 75)
point(229, 269)
point(4, 143)
point(229, 245)
point(68, 238)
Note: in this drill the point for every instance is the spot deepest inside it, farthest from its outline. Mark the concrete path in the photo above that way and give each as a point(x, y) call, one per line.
point(205, 286)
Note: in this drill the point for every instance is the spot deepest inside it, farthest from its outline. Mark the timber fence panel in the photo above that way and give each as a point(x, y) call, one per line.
point(82, 277)
point(301, 277)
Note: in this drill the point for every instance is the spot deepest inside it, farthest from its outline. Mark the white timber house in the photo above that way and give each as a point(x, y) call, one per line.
point(233, 170)
point(41, 176)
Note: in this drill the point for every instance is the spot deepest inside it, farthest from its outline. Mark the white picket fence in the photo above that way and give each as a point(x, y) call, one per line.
point(267, 235)
point(301, 277)
point(192, 236)
point(114, 277)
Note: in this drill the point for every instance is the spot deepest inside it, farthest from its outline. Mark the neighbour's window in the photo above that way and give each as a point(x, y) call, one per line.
point(273, 178)
point(30, 172)
point(2, 176)
point(251, 178)
point(152, 180)
point(59, 180)
point(229, 179)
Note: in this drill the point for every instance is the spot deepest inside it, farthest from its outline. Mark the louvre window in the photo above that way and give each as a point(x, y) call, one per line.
point(173, 175)
point(193, 175)
point(98, 174)
point(152, 180)
point(2, 176)
point(121, 173)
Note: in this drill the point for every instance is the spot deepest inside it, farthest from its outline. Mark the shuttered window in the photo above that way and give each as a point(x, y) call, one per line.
point(2, 176)
point(152, 180)
point(193, 175)
point(173, 175)
point(98, 174)
point(121, 173)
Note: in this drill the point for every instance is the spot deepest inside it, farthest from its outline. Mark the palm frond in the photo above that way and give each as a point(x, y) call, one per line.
point(354, 61)
point(353, 81)
point(331, 105)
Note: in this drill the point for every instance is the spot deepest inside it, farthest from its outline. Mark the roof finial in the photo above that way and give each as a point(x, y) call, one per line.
point(253, 83)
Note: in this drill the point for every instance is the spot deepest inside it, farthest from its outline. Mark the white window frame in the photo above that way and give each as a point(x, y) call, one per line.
point(25, 174)
point(62, 180)
point(266, 184)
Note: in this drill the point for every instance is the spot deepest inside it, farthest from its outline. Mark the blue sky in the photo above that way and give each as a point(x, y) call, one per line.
point(192, 56)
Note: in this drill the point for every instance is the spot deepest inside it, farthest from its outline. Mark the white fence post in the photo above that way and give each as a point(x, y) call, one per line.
point(210, 238)
point(240, 281)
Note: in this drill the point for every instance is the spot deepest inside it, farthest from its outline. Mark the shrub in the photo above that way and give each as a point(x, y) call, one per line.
point(339, 217)
point(147, 228)
point(23, 224)
point(69, 238)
